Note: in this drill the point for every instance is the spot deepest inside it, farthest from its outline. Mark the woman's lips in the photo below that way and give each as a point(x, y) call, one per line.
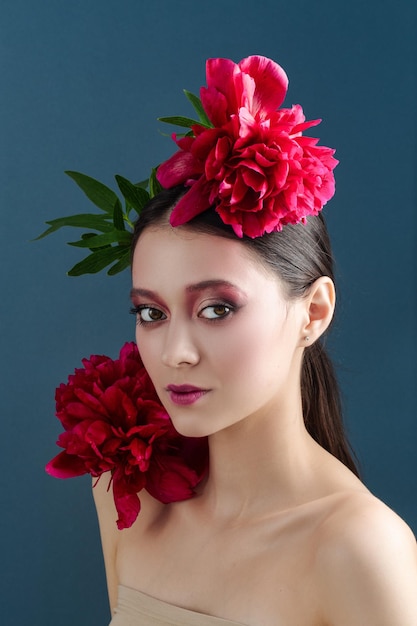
point(185, 394)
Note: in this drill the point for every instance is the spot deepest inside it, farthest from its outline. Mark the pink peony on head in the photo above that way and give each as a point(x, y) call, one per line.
point(253, 164)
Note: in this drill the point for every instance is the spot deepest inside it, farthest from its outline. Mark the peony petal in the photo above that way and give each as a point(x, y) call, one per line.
point(179, 168)
point(125, 497)
point(255, 179)
point(232, 220)
point(128, 508)
point(204, 144)
point(302, 126)
point(97, 432)
point(271, 83)
point(171, 480)
point(246, 86)
point(194, 202)
point(248, 126)
point(66, 466)
point(217, 157)
point(220, 75)
point(89, 401)
point(215, 105)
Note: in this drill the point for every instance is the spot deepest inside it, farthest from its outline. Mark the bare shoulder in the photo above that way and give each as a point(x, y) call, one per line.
point(107, 516)
point(103, 499)
point(111, 536)
point(106, 509)
point(366, 564)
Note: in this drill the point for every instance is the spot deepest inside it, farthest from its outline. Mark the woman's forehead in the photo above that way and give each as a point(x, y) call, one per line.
point(193, 257)
point(183, 242)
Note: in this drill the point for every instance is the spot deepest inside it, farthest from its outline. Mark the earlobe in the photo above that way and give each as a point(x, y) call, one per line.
point(320, 304)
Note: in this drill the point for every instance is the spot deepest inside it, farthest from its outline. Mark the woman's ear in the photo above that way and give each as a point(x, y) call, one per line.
point(320, 304)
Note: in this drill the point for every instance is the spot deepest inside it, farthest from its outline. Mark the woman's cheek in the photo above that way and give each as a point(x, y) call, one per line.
point(145, 352)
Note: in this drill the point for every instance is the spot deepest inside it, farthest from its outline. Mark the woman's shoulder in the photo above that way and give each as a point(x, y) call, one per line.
point(150, 510)
point(111, 536)
point(356, 517)
point(106, 509)
point(358, 521)
point(366, 563)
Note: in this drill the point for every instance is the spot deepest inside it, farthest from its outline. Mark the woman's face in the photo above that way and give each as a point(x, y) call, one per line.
point(214, 330)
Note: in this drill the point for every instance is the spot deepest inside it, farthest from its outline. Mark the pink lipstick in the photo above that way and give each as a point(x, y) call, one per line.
point(185, 394)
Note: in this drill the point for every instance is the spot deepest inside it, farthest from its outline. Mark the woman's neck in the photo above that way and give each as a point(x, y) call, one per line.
point(260, 465)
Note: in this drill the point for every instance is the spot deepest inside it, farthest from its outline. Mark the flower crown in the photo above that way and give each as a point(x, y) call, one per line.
point(247, 158)
point(244, 156)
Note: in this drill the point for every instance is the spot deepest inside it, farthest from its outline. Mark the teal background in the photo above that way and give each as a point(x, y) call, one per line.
point(82, 83)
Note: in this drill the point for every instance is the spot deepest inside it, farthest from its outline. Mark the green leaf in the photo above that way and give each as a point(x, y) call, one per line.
point(121, 265)
point(99, 194)
point(98, 241)
point(98, 260)
point(178, 120)
point(83, 220)
point(135, 195)
point(143, 184)
point(154, 185)
point(118, 220)
point(196, 102)
point(86, 236)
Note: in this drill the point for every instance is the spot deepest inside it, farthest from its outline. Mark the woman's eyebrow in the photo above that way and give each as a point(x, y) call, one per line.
point(193, 288)
point(146, 293)
point(200, 286)
point(209, 284)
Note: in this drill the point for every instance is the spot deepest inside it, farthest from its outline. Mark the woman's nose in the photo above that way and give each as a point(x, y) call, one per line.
point(179, 348)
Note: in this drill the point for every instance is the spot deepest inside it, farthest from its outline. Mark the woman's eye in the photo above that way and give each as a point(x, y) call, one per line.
point(215, 311)
point(148, 314)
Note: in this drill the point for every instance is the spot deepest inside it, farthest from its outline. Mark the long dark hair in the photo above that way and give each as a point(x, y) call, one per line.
point(299, 255)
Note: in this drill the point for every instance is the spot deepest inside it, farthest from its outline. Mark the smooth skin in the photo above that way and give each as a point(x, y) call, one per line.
point(281, 533)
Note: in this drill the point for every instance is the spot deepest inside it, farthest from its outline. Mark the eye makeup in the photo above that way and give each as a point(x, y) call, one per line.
point(205, 296)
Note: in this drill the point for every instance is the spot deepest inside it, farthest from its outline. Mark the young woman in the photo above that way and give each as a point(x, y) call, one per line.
point(282, 532)
point(233, 291)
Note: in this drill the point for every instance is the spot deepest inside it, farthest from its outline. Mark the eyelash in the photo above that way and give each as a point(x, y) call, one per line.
point(136, 310)
point(229, 309)
point(219, 305)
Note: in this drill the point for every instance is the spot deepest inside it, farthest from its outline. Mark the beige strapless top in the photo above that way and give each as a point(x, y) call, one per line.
point(135, 608)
